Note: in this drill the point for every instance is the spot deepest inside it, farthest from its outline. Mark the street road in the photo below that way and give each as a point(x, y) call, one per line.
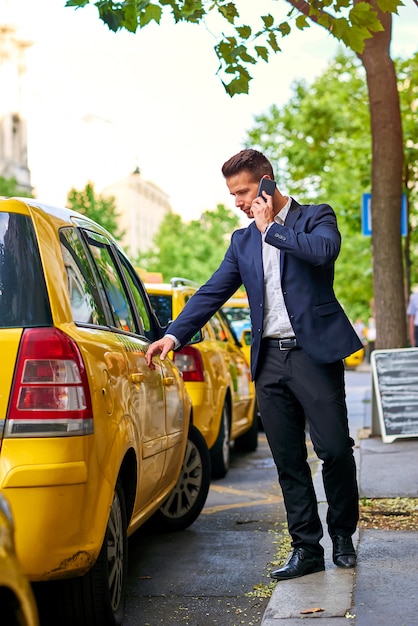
point(206, 575)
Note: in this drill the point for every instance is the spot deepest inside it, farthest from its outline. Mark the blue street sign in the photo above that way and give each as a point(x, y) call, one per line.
point(366, 215)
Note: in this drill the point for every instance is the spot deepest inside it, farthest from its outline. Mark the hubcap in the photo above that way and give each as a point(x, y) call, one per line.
point(115, 553)
point(188, 486)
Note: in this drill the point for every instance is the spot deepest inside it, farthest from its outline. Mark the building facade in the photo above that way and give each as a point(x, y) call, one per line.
point(13, 127)
point(141, 207)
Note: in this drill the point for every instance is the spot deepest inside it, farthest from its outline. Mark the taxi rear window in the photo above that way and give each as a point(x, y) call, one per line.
point(23, 294)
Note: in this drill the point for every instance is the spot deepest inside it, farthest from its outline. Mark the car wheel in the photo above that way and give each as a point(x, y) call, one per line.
point(98, 597)
point(188, 497)
point(220, 453)
point(248, 442)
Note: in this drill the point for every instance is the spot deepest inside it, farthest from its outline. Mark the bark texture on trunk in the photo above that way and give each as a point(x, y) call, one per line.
point(387, 160)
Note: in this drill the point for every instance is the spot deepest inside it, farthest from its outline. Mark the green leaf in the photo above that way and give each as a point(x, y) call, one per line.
point(324, 20)
point(284, 28)
point(390, 5)
point(362, 14)
point(262, 52)
point(77, 3)
point(272, 40)
point(355, 38)
point(229, 12)
point(237, 86)
point(302, 22)
point(224, 49)
point(114, 19)
point(152, 12)
point(268, 20)
point(244, 31)
point(245, 56)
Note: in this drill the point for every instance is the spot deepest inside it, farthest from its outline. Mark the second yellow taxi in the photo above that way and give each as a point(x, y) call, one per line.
point(216, 374)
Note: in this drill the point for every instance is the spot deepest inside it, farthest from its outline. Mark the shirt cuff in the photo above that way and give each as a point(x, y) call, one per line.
point(176, 341)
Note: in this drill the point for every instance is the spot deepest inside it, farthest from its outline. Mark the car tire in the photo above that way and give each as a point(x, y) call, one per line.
point(98, 597)
point(220, 453)
point(248, 442)
point(188, 497)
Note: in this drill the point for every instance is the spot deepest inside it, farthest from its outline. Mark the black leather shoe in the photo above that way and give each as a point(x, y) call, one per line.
point(343, 553)
point(299, 563)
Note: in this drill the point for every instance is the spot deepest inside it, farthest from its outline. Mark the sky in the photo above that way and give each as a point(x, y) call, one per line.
point(99, 104)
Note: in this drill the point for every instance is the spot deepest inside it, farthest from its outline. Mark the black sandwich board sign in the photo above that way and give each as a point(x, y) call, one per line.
point(395, 393)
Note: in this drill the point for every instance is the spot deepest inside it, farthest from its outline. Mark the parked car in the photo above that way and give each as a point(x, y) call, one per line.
point(237, 310)
point(217, 377)
point(17, 602)
point(354, 360)
point(92, 441)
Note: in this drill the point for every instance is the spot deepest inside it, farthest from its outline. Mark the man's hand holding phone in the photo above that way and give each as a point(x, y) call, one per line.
point(262, 206)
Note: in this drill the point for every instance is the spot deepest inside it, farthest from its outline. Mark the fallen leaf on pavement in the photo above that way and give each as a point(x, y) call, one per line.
point(315, 610)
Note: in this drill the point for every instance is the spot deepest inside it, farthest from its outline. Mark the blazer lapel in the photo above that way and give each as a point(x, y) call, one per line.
point(290, 221)
point(257, 248)
point(292, 214)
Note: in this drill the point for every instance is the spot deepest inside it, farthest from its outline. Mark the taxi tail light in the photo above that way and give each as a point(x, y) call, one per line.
point(189, 361)
point(50, 394)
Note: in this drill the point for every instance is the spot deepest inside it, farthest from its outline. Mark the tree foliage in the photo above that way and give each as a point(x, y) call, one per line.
point(10, 188)
point(193, 249)
point(97, 207)
point(241, 45)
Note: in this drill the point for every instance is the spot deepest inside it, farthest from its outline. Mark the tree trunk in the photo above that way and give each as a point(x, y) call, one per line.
point(387, 160)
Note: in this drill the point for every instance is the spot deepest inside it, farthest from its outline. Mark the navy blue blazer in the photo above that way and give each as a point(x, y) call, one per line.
point(309, 242)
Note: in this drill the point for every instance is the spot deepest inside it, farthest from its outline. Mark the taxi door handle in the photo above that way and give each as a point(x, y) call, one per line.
point(137, 378)
point(168, 380)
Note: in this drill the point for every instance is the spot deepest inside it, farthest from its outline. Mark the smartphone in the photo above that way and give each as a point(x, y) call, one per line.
point(267, 185)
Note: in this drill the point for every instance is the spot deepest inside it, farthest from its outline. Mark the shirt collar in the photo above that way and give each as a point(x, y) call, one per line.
point(282, 214)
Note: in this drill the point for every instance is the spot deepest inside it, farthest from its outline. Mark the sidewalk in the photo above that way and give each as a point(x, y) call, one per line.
point(383, 589)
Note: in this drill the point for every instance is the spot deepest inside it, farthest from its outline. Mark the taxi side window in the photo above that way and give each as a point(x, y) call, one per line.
point(218, 329)
point(123, 316)
point(138, 296)
point(85, 301)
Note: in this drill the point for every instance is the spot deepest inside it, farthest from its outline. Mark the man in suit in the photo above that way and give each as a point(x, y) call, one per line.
point(300, 336)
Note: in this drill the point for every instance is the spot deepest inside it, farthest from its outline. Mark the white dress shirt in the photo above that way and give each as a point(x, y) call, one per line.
point(276, 318)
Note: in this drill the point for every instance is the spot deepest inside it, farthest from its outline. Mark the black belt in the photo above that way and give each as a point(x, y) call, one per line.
point(289, 343)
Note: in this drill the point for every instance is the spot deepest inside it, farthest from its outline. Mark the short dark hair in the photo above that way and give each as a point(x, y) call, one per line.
point(250, 160)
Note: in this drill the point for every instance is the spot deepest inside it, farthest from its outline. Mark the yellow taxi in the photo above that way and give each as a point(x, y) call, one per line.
point(17, 602)
point(92, 441)
point(216, 375)
point(354, 360)
point(237, 310)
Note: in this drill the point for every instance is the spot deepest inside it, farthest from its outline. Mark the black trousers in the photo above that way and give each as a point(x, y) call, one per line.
point(293, 392)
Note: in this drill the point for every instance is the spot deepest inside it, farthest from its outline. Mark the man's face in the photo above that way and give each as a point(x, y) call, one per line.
point(243, 187)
